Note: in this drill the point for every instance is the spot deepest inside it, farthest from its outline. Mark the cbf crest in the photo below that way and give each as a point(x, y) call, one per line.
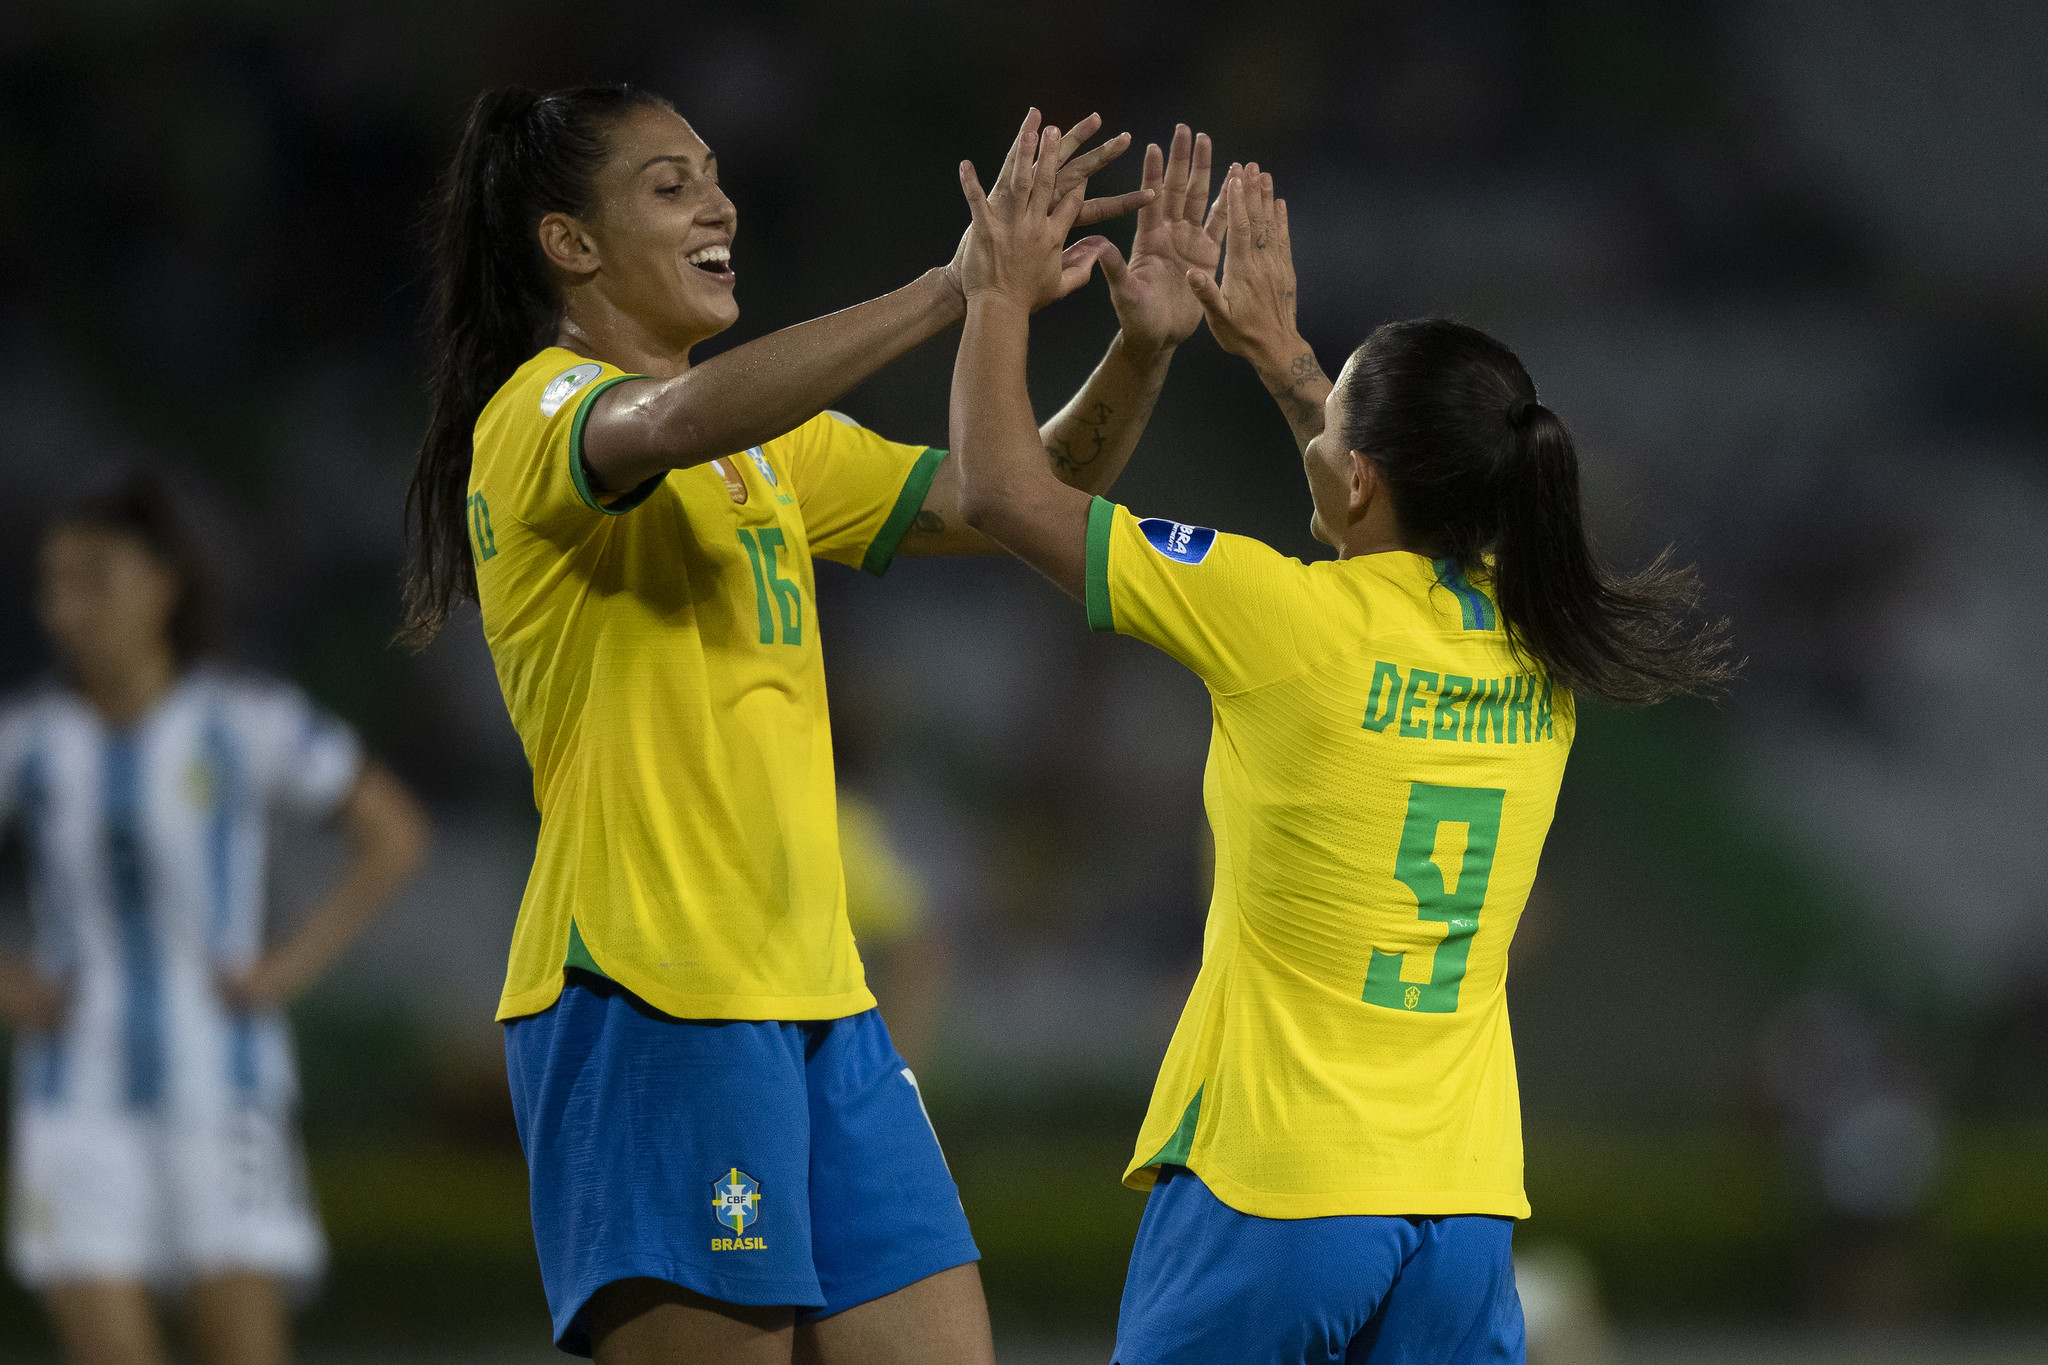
point(736, 1203)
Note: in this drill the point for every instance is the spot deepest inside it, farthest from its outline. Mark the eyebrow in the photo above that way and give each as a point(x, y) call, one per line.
point(710, 160)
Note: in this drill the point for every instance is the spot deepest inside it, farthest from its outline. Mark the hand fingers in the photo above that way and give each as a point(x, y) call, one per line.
point(1103, 252)
point(1065, 210)
point(1113, 206)
point(1074, 271)
point(1016, 171)
point(1209, 296)
point(970, 185)
point(1077, 135)
point(1152, 177)
point(1198, 179)
point(1045, 174)
point(1280, 220)
point(1240, 212)
point(1088, 163)
point(1213, 226)
point(1177, 162)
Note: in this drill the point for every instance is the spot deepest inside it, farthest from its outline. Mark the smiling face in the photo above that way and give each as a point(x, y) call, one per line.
point(656, 249)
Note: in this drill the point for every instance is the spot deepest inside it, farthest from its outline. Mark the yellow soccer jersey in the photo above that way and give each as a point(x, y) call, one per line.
point(884, 897)
point(659, 656)
point(1381, 775)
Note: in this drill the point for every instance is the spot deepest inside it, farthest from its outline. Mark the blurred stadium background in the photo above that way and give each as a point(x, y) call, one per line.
point(1782, 997)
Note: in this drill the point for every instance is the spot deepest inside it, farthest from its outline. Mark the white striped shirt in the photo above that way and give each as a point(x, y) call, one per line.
point(147, 849)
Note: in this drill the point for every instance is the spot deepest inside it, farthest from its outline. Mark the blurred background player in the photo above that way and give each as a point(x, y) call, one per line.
point(886, 906)
point(1334, 1144)
point(155, 1143)
point(639, 534)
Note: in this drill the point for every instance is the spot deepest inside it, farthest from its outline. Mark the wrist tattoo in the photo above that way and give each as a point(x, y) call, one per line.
point(1302, 372)
point(1092, 440)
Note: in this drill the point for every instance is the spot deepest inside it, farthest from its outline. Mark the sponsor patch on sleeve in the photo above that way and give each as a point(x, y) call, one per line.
point(565, 384)
point(1177, 540)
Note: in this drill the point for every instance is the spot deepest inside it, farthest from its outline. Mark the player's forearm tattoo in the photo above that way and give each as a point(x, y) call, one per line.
point(928, 522)
point(1299, 392)
point(1074, 450)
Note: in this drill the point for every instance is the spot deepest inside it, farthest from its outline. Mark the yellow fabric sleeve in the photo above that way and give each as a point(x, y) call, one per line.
point(551, 487)
point(858, 492)
point(1235, 610)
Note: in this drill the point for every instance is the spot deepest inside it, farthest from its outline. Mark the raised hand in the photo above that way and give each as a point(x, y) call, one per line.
point(1251, 310)
point(1013, 249)
point(1073, 172)
point(1155, 305)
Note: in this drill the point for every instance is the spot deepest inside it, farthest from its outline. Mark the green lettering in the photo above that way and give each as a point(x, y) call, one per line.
point(1544, 728)
point(1518, 707)
point(1411, 728)
point(1386, 683)
point(1486, 708)
point(1455, 690)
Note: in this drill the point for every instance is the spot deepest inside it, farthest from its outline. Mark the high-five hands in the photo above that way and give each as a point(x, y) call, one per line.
point(1013, 250)
point(1251, 311)
point(1071, 177)
point(1155, 305)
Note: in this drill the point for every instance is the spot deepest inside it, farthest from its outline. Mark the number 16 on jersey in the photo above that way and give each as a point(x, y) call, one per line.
point(1451, 901)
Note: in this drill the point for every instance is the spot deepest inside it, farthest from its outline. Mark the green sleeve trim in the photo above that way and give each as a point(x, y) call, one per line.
point(1175, 1152)
point(618, 507)
point(882, 549)
point(1101, 517)
point(579, 956)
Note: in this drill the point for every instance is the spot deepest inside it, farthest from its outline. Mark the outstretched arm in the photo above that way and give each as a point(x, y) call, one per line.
point(387, 835)
point(1012, 265)
point(1251, 312)
point(758, 391)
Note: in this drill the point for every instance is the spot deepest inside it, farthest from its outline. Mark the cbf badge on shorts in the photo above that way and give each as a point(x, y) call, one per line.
point(736, 1203)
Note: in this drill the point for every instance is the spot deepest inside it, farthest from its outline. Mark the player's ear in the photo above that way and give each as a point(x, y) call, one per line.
point(1366, 483)
point(568, 245)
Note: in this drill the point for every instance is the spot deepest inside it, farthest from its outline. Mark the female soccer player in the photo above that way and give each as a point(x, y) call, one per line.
point(155, 1143)
point(728, 1160)
point(1334, 1147)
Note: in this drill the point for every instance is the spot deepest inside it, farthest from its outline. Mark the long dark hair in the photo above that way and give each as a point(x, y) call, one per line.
point(140, 505)
point(1487, 476)
point(522, 156)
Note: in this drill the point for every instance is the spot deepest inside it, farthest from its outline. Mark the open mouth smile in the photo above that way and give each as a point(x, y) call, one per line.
point(715, 261)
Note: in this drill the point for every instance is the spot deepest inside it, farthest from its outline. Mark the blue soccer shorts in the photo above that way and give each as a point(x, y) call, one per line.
point(1210, 1284)
point(756, 1163)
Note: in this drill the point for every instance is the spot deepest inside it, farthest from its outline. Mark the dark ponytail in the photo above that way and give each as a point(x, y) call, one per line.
point(522, 156)
point(1487, 476)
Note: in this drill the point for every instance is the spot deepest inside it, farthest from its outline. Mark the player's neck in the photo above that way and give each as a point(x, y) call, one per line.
point(1376, 532)
point(604, 333)
point(124, 693)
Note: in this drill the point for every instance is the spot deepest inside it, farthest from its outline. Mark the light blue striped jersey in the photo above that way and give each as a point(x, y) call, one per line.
point(147, 852)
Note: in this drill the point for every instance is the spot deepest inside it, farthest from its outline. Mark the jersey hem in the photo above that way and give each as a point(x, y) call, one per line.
point(618, 507)
point(750, 1008)
point(1095, 576)
point(1335, 1203)
point(909, 502)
